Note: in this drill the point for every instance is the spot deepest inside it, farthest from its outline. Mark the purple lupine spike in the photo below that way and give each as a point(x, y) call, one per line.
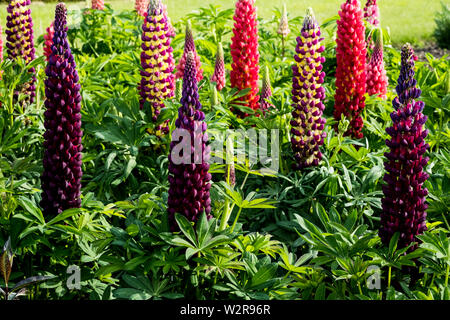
point(190, 182)
point(61, 179)
point(266, 91)
point(404, 202)
point(157, 79)
point(20, 41)
point(307, 95)
point(219, 70)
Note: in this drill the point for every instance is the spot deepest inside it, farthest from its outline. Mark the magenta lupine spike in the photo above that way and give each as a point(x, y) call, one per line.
point(219, 71)
point(98, 5)
point(20, 40)
point(308, 95)
point(376, 78)
point(189, 46)
point(190, 182)
point(157, 79)
point(404, 202)
point(61, 179)
point(266, 91)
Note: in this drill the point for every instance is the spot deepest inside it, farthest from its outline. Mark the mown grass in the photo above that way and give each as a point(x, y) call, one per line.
point(408, 20)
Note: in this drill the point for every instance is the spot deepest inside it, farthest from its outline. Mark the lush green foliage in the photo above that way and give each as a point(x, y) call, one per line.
point(442, 30)
point(293, 235)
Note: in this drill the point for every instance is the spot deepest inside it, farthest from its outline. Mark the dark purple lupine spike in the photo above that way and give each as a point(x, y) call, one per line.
point(61, 179)
point(404, 202)
point(20, 41)
point(190, 183)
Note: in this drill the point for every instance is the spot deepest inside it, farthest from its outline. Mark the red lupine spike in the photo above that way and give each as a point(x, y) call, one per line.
point(244, 51)
point(351, 64)
point(48, 41)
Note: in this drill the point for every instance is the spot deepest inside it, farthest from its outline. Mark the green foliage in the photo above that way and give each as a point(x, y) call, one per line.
point(442, 30)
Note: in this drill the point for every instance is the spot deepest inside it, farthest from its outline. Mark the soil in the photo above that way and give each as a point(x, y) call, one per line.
point(433, 49)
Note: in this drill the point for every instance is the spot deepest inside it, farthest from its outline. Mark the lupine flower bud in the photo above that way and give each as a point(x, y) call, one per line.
point(266, 91)
point(20, 40)
point(372, 13)
point(377, 81)
point(351, 64)
point(219, 71)
point(61, 179)
point(157, 79)
point(48, 41)
point(283, 28)
point(230, 174)
point(404, 202)
point(189, 46)
point(307, 95)
point(244, 51)
point(98, 5)
point(190, 183)
point(141, 7)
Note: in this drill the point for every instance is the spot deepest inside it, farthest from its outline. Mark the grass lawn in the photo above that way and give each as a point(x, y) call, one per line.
point(408, 20)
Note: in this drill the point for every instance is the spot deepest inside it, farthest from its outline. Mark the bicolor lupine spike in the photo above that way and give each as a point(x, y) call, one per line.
point(219, 71)
point(283, 28)
point(48, 41)
point(372, 13)
point(20, 40)
point(244, 51)
point(351, 65)
point(157, 79)
point(98, 5)
point(61, 179)
point(404, 201)
point(189, 180)
point(266, 91)
point(308, 95)
point(376, 78)
point(189, 46)
point(141, 6)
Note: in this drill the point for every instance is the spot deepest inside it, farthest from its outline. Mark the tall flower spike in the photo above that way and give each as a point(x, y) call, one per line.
point(20, 40)
point(219, 71)
point(98, 5)
point(189, 46)
point(377, 81)
point(372, 13)
point(266, 91)
point(157, 80)
point(283, 28)
point(308, 95)
point(351, 64)
point(61, 179)
point(141, 7)
point(190, 182)
point(244, 51)
point(404, 201)
point(48, 41)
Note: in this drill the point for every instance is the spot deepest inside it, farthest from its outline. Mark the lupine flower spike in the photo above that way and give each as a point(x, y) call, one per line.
point(377, 81)
point(1, 50)
point(219, 71)
point(141, 7)
point(351, 64)
point(244, 51)
point(61, 179)
point(48, 41)
point(266, 91)
point(157, 80)
point(372, 13)
point(307, 95)
point(20, 40)
point(283, 28)
point(190, 183)
point(98, 5)
point(404, 201)
point(189, 46)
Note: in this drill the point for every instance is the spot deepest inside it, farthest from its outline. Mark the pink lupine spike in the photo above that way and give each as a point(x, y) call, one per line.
point(48, 41)
point(98, 5)
point(266, 91)
point(141, 6)
point(377, 80)
point(189, 46)
point(219, 71)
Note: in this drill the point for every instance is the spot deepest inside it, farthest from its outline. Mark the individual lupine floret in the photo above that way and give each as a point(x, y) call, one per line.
point(266, 91)
point(377, 80)
point(190, 180)
point(404, 202)
point(20, 41)
point(308, 95)
point(351, 64)
point(157, 80)
point(219, 71)
point(189, 46)
point(48, 41)
point(141, 7)
point(244, 51)
point(283, 28)
point(61, 178)
point(98, 5)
